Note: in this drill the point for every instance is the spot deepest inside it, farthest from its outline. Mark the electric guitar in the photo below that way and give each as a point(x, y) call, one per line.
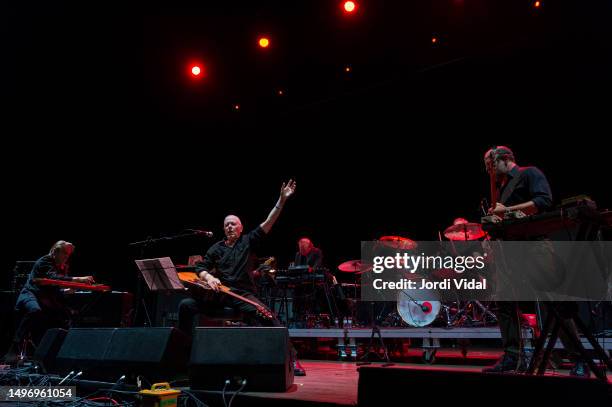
point(190, 279)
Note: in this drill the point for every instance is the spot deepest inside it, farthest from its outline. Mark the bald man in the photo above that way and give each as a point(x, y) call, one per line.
point(230, 262)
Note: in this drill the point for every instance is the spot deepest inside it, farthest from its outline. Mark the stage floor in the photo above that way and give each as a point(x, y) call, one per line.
point(335, 384)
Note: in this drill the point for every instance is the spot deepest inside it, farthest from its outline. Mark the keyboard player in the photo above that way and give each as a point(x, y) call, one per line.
point(308, 254)
point(43, 307)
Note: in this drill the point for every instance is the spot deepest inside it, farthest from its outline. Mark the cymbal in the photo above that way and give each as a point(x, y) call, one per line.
point(354, 266)
point(464, 231)
point(398, 242)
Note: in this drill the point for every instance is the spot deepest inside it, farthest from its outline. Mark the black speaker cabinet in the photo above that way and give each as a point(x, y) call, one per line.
point(49, 346)
point(158, 354)
point(258, 354)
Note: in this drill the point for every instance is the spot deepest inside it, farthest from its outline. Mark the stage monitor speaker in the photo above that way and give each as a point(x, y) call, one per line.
point(258, 354)
point(108, 353)
point(49, 346)
point(392, 386)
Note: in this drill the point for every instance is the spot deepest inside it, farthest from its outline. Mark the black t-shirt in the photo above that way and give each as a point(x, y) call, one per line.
point(233, 265)
point(45, 267)
point(313, 259)
point(532, 185)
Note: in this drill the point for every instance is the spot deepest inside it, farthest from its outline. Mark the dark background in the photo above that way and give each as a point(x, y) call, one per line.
point(107, 140)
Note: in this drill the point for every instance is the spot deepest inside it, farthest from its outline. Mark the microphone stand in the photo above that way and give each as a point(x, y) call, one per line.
point(365, 358)
point(143, 244)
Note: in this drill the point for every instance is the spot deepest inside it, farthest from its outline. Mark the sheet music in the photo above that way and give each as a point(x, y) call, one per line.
point(160, 274)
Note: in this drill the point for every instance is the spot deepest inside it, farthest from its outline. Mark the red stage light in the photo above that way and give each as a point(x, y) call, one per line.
point(434, 40)
point(196, 70)
point(236, 107)
point(347, 68)
point(537, 4)
point(349, 6)
point(264, 42)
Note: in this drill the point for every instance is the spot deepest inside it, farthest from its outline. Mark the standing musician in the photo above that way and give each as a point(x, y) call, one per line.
point(229, 262)
point(43, 307)
point(520, 191)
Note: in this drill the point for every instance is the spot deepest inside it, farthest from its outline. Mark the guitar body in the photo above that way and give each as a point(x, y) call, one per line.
point(191, 280)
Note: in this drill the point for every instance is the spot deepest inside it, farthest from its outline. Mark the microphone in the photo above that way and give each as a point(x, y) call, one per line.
point(201, 232)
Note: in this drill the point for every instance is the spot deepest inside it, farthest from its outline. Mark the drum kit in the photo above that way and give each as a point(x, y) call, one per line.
point(418, 313)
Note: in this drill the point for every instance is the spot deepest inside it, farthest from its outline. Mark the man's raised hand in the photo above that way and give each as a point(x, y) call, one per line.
point(287, 189)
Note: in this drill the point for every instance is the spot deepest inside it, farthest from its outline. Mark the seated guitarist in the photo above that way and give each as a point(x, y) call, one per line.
point(43, 307)
point(229, 262)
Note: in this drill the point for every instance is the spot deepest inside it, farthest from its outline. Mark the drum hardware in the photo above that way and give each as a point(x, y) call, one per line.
point(421, 313)
point(376, 333)
point(472, 313)
point(393, 319)
point(464, 232)
point(398, 242)
point(418, 313)
point(354, 266)
point(357, 268)
point(370, 350)
point(317, 321)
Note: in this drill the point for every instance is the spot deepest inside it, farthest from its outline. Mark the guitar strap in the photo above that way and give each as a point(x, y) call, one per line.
point(510, 187)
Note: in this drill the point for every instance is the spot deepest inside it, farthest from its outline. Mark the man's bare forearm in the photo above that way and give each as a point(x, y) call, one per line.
point(273, 215)
point(203, 274)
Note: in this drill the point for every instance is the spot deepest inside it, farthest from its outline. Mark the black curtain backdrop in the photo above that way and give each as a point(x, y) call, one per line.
point(106, 140)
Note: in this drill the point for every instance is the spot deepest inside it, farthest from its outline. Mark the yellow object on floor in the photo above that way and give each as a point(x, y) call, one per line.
point(160, 395)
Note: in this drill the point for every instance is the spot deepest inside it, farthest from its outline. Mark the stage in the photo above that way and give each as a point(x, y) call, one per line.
point(337, 384)
point(332, 383)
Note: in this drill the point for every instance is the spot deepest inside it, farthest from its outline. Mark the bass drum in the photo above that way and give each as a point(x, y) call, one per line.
point(418, 313)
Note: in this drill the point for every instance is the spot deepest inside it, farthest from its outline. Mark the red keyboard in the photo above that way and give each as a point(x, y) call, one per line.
point(70, 284)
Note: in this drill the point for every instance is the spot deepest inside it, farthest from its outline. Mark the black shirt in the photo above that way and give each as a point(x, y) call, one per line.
point(45, 267)
point(233, 265)
point(531, 186)
point(313, 259)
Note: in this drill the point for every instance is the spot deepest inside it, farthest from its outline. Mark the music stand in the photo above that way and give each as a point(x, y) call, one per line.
point(160, 274)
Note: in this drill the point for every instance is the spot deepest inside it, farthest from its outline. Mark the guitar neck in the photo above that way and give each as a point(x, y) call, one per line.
point(493, 190)
point(192, 278)
point(228, 291)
